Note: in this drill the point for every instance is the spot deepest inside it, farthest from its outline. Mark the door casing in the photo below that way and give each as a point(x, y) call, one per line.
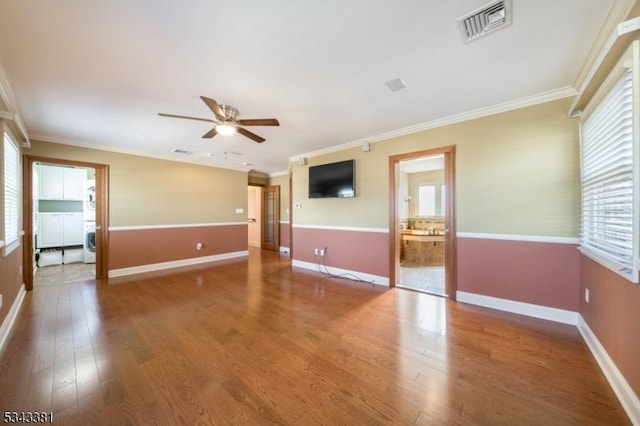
point(102, 214)
point(450, 259)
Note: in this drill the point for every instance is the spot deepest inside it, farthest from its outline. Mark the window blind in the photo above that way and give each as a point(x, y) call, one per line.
point(11, 191)
point(608, 179)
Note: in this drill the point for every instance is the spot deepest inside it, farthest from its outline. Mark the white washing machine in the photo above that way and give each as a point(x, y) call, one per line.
point(89, 205)
point(89, 244)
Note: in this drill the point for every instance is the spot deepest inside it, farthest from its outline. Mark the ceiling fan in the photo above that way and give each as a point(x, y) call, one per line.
point(227, 122)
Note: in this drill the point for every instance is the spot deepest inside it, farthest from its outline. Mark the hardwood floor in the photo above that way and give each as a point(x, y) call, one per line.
point(255, 342)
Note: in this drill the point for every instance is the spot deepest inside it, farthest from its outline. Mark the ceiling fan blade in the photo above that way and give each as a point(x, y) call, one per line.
point(208, 120)
point(211, 133)
point(259, 122)
point(250, 135)
point(213, 106)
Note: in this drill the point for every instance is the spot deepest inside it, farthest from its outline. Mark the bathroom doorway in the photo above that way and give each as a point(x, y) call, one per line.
point(422, 221)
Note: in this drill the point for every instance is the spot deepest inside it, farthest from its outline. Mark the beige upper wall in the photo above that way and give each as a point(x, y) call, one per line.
point(147, 191)
point(516, 173)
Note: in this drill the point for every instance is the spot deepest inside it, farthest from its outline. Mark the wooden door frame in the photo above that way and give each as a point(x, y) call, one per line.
point(450, 260)
point(102, 214)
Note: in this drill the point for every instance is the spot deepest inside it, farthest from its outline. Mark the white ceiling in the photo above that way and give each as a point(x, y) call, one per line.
point(96, 73)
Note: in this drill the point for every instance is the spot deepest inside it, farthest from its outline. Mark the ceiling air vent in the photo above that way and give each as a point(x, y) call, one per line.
point(182, 151)
point(487, 19)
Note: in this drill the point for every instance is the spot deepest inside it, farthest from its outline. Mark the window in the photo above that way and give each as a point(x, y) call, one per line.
point(609, 172)
point(11, 181)
point(426, 200)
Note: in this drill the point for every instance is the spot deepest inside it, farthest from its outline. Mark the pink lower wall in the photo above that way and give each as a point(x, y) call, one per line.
point(285, 236)
point(137, 247)
point(10, 280)
point(539, 273)
point(359, 251)
point(613, 314)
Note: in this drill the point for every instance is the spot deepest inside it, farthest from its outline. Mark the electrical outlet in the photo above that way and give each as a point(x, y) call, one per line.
point(586, 295)
point(316, 251)
point(199, 246)
point(321, 252)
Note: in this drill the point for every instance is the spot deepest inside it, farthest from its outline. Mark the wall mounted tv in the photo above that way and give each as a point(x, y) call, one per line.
point(334, 180)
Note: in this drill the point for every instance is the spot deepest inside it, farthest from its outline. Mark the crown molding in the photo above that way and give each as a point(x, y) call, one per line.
point(9, 100)
point(278, 174)
point(551, 95)
point(606, 37)
point(52, 139)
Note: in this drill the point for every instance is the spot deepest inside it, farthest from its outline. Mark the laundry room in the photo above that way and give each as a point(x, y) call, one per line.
point(63, 223)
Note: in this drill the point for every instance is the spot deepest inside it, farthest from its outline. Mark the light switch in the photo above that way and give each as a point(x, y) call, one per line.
point(240, 210)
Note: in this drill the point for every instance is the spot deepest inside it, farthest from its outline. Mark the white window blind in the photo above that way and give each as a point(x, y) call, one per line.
point(11, 192)
point(607, 168)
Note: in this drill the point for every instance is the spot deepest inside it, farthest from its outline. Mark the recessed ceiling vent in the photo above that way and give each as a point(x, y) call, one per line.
point(182, 151)
point(485, 20)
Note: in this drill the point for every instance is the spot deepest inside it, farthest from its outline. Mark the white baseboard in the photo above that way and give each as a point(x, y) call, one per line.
point(620, 386)
point(528, 309)
point(176, 263)
point(7, 324)
point(374, 279)
point(285, 250)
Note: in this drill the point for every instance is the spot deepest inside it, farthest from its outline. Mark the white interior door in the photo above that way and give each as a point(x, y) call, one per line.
point(253, 215)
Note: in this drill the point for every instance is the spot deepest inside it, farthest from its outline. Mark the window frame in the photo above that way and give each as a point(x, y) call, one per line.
point(630, 60)
point(9, 246)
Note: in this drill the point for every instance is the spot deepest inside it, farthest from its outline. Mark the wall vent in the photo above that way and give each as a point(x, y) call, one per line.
point(485, 20)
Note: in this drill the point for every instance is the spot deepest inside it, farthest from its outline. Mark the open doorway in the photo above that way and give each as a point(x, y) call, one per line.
point(64, 222)
point(254, 217)
point(422, 221)
point(65, 235)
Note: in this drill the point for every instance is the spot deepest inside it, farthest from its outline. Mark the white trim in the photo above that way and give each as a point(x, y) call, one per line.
point(278, 174)
point(189, 159)
point(10, 319)
point(343, 228)
point(375, 279)
point(528, 309)
point(608, 34)
point(623, 391)
point(1, 243)
point(514, 237)
point(540, 98)
point(10, 102)
point(168, 226)
point(286, 222)
point(606, 263)
point(176, 264)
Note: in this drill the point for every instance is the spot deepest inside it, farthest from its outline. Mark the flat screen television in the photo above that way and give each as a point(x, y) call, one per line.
point(334, 180)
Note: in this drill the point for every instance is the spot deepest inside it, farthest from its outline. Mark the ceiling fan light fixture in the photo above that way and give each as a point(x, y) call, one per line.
point(225, 129)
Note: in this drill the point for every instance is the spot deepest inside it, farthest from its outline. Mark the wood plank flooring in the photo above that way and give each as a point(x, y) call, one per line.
point(257, 342)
